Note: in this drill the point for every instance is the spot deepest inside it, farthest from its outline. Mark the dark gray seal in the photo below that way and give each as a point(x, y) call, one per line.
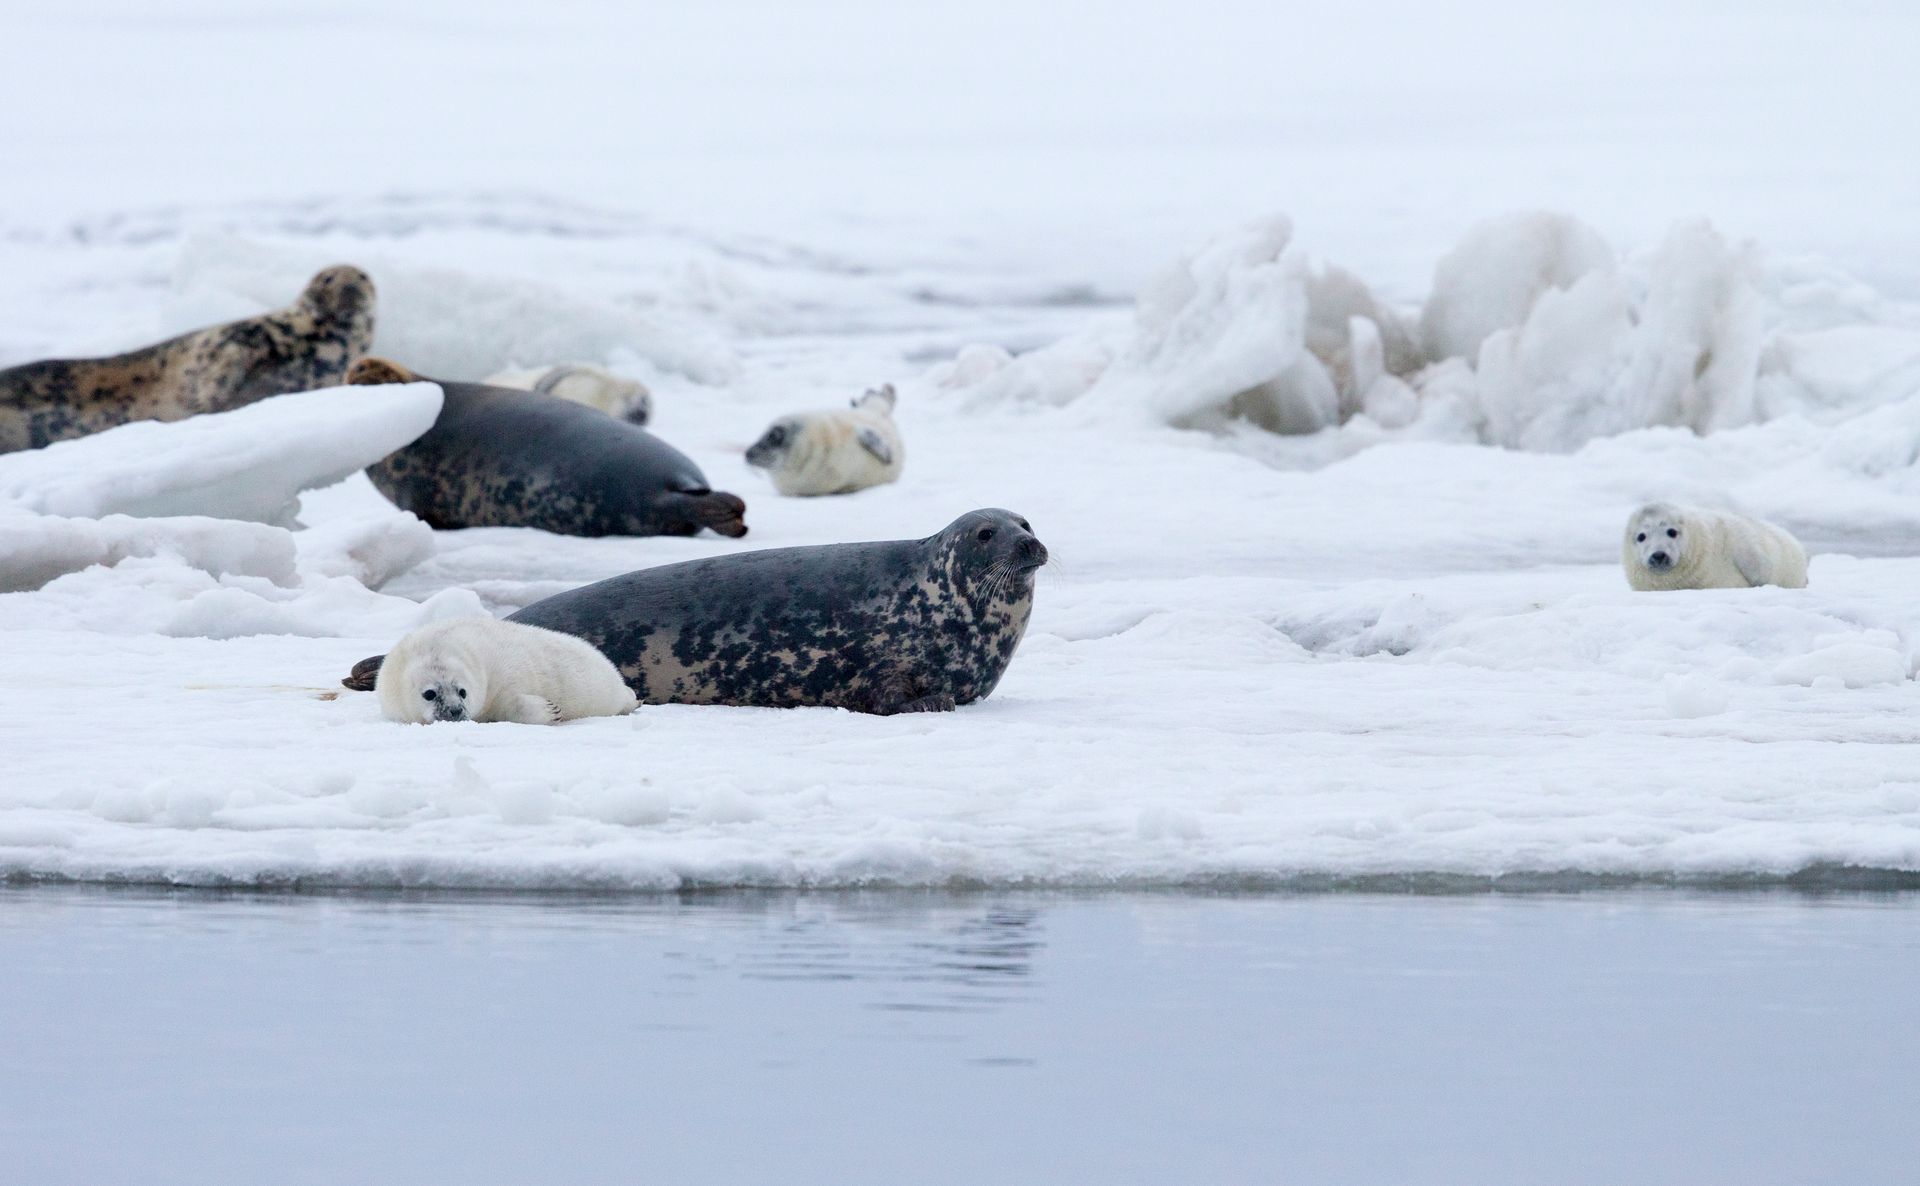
point(501, 457)
point(901, 626)
point(309, 344)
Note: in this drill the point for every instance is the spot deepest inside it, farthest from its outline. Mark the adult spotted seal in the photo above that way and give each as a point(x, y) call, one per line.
point(498, 457)
point(900, 626)
point(309, 344)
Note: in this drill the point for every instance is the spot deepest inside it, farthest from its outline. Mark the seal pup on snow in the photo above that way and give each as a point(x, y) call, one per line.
point(307, 345)
point(483, 669)
point(833, 452)
point(497, 457)
point(898, 626)
point(1676, 547)
point(596, 387)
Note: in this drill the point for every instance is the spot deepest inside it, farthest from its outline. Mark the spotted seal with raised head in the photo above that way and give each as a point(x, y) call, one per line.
point(499, 457)
point(307, 345)
point(897, 626)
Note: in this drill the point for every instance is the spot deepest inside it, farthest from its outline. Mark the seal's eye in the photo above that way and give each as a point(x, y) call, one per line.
point(776, 436)
point(1673, 533)
point(1024, 525)
point(1641, 538)
point(984, 534)
point(462, 691)
point(427, 695)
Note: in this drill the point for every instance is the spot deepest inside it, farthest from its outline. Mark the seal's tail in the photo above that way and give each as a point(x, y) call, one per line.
point(361, 678)
point(725, 513)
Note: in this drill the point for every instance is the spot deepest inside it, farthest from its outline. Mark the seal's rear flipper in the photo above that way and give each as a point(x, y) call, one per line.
point(376, 372)
point(361, 678)
point(724, 513)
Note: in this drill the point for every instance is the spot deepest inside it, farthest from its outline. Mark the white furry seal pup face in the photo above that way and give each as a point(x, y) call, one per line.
point(480, 669)
point(1670, 547)
point(1657, 535)
point(438, 687)
point(833, 452)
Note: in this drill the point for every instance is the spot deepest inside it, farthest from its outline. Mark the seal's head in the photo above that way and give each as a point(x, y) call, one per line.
point(991, 555)
point(341, 295)
point(776, 444)
point(1657, 537)
point(440, 687)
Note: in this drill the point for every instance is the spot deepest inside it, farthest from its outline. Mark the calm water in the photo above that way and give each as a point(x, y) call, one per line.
point(1643, 1037)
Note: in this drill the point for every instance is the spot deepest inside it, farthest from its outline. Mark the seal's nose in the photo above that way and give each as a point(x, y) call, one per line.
point(1033, 552)
point(1659, 560)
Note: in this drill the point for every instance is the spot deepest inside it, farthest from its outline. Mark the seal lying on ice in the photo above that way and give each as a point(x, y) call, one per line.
point(1675, 547)
point(482, 669)
point(307, 345)
point(898, 626)
point(498, 457)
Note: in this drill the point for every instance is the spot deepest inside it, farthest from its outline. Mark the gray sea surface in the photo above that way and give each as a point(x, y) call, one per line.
point(1632, 1036)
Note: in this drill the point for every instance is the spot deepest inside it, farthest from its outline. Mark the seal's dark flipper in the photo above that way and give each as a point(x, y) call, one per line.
point(724, 513)
point(376, 372)
point(941, 703)
point(363, 674)
point(874, 443)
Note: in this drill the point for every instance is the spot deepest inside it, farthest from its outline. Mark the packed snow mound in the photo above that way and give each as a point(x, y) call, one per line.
point(372, 549)
point(1246, 328)
point(1727, 637)
point(36, 549)
point(1536, 337)
point(447, 323)
point(250, 463)
point(223, 592)
point(1593, 359)
point(1499, 271)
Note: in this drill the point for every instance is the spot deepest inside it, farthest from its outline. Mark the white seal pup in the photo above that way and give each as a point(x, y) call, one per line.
point(1675, 547)
point(619, 397)
point(483, 669)
point(833, 452)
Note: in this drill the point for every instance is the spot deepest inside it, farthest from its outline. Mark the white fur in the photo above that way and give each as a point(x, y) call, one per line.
point(1709, 550)
point(585, 384)
point(507, 671)
point(823, 453)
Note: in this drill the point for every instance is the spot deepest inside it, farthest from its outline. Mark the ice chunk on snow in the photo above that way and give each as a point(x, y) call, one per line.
point(1852, 664)
point(35, 549)
point(447, 323)
point(1587, 362)
point(372, 549)
point(250, 463)
point(1838, 370)
point(1229, 322)
point(1500, 269)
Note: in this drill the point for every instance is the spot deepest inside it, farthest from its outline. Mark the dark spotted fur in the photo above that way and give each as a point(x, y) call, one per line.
point(307, 345)
point(498, 457)
point(902, 626)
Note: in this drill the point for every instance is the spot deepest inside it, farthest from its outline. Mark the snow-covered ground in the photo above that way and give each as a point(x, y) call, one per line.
point(1400, 646)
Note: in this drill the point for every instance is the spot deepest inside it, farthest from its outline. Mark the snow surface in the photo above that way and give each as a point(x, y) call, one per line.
point(1334, 504)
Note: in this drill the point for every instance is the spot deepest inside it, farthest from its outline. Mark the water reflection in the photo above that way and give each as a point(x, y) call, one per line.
point(955, 1037)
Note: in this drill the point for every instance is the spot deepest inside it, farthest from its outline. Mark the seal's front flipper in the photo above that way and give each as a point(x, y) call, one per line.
point(940, 703)
point(364, 673)
point(871, 440)
point(534, 710)
point(378, 372)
